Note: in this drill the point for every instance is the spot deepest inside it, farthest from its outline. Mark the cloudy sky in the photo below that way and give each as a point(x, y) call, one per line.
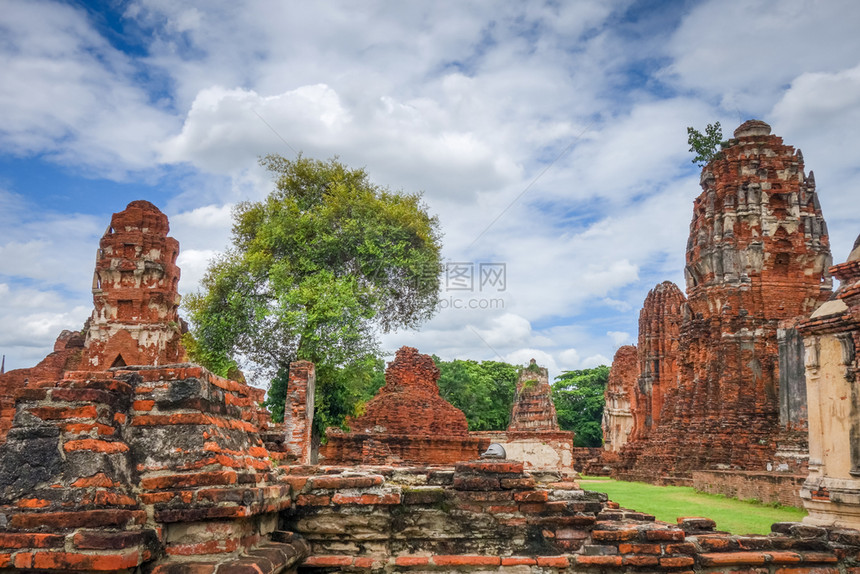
point(547, 136)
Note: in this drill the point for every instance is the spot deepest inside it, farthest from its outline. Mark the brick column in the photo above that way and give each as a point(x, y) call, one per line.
point(299, 411)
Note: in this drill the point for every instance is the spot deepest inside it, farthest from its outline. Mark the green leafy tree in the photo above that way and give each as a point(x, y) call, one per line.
point(483, 391)
point(578, 398)
point(315, 270)
point(704, 145)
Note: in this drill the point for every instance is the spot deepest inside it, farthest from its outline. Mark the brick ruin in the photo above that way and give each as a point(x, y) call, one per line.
point(831, 337)
point(620, 396)
point(533, 435)
point(135, 318)
point(135, 293)
point(532, 408)
point(659, 337)
point(117, 457)
point(406, 422)
point(169, 469)
point(757, 259)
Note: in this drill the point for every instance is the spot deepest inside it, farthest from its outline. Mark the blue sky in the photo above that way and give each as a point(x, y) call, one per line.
point(549, 136)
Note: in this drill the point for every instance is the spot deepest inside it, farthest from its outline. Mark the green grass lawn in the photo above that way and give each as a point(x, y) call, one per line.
point(669, 502)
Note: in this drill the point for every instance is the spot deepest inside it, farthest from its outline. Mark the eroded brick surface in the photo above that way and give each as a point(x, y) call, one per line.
point(618, 421)
point(406, 422)
point(758, 253)
point(533, 409)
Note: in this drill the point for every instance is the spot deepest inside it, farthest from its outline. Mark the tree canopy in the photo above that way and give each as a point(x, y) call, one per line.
point(704, 145)
point(483, 391)
point(578, 398)
point(314, 271)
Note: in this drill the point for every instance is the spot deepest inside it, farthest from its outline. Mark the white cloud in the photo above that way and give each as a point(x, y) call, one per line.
point(820, 113)
point(619, 337)
point(595, 361)
point(745, 52)
point(468, 102)
point(68, 94)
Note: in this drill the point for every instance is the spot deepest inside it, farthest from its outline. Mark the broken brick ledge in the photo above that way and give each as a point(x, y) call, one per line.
point(282, 554)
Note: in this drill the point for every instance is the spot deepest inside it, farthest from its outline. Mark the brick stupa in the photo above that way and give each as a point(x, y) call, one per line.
point(118, 458)
point(407, 421)
point(757, 254)
point(135, 320)
point(533, 409)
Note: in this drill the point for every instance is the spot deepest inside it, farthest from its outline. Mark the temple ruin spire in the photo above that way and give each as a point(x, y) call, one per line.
point(135, 320)
point(758, 254)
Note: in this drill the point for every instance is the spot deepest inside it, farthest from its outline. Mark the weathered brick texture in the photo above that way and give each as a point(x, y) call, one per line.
point(831, 337)
point(757, 254)
point(659, 338)
point(135, 320)
point(406, 422)
point(618, 421)
point(533, 409)
point(491, 517)
point(299, 412)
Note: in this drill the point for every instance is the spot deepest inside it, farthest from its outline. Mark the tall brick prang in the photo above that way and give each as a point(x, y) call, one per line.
point(757, 254)
point(135, 320)
point(659, 339)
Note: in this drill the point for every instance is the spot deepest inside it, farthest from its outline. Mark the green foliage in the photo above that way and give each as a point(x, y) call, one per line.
point(483, 391)
point(578, 398)
point(533, 368)
point(704, 145)
point(669, 502)
point(530, 384)
point(276, 398)
point(315, 270)
point(343, 391)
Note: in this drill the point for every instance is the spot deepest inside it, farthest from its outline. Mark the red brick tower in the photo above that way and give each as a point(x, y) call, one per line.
point(533, 409)
point(619, 398)
point(758, 253)
point(135, 320)
point(659, 334)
